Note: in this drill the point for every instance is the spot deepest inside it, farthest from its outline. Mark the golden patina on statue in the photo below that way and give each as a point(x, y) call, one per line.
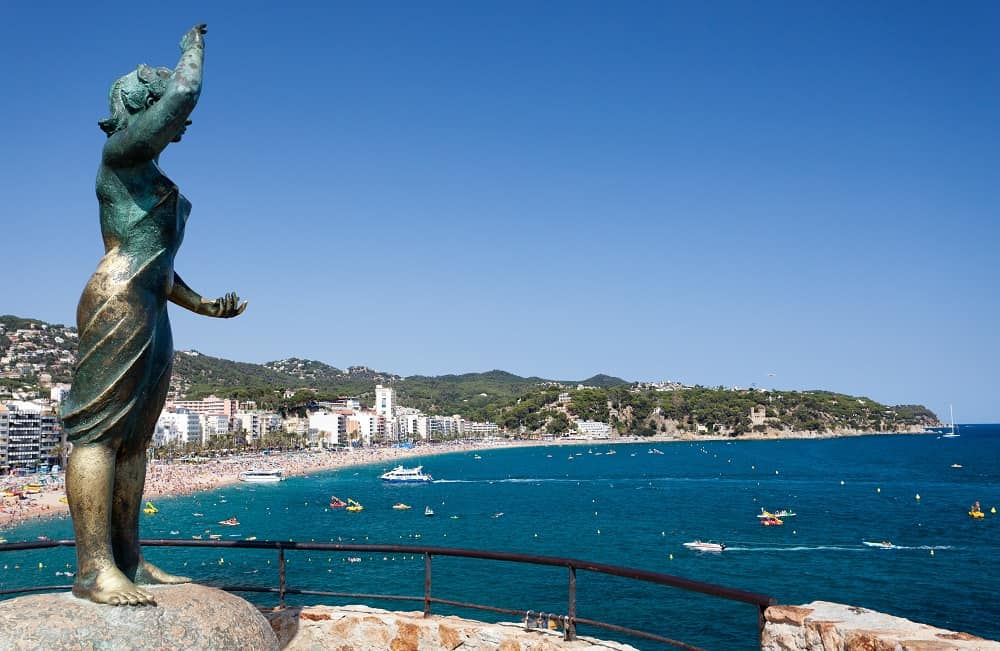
point(125, 347)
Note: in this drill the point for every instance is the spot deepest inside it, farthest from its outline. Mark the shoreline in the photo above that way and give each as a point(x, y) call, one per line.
point(175, 479)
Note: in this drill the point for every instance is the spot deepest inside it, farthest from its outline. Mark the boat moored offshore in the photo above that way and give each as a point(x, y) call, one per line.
point(401, 474)
point(261, 476)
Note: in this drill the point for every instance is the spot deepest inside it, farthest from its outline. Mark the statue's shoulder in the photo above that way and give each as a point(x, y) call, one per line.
point(144, 178)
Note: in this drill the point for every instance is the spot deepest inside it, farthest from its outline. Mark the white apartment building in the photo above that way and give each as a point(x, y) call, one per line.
point(177, 427)
point(209, 405)
point(365, 427)
point(29, 434)
point(385, 401)
point(472, 429)
point(349, 404)
point(442, 427)
point(4, 434)
point(213, 426)
point(593, 429)
point(58, 392)
point(328, 427)
point(256, 424)
point(408, 425)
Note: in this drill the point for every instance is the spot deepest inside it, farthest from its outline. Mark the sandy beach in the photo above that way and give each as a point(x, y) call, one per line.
point(182, 478)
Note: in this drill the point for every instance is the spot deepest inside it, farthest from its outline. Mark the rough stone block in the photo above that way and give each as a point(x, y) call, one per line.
point(187, 616)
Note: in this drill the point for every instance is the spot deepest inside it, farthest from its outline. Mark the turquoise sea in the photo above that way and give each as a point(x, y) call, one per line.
point(632, 508)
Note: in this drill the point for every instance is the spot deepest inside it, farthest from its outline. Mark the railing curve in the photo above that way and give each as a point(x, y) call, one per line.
point(567, 621)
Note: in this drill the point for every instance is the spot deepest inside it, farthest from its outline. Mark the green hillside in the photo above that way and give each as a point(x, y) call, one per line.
point(517, 403)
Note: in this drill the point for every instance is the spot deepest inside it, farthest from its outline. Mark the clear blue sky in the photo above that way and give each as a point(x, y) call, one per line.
point(705, 192)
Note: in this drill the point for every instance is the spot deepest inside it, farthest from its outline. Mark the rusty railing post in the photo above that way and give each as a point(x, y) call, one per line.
point(427, 584)
point(281, 577)
point(569, 632)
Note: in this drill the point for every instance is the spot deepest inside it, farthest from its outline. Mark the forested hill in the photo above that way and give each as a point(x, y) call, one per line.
point(33, 351)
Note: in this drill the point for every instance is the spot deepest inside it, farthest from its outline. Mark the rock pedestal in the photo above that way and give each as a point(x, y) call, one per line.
point(826, 626)
point(361, 628)
point(186, 616)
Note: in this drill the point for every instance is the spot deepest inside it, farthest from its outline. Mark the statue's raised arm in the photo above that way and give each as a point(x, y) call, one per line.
point(151, 106)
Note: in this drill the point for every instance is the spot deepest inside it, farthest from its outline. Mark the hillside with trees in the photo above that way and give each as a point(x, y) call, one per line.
point(518, 404)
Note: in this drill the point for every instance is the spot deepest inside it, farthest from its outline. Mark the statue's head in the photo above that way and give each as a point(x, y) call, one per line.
point(135, 92)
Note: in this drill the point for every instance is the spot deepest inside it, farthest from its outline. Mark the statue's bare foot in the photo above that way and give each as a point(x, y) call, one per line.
point(147, 574)
point(112, 587)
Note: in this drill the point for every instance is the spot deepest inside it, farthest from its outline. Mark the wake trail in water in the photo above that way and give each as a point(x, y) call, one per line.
point(798, 548)
point(590, 480)
point(837, 548)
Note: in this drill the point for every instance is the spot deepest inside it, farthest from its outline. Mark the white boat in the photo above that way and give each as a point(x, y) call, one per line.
point(428, 511)
point(261, 476)
point(885, 544)
point(951, 434)
point(401, 474)
point(700, 546)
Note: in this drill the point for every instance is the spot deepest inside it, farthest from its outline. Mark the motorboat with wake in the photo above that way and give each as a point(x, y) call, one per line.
point(700, 546)
point(399, 474)
point(884, 544)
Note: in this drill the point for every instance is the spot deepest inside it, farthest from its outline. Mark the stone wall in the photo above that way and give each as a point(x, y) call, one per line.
point(825, 626)
point(360, 628)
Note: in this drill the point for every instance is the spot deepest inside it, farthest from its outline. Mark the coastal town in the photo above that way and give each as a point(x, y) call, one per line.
point(327, 435)
point(31, 436)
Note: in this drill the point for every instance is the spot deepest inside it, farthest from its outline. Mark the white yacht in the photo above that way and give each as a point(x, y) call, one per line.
point(401, 474)
point(261, 476)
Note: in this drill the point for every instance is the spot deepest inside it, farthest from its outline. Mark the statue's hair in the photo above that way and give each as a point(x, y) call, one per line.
point(130, 93)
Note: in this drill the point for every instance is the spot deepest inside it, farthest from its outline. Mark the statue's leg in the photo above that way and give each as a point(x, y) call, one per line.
point(129, 481)
point(90, 476)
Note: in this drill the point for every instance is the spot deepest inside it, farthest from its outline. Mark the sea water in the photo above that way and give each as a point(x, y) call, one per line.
point(633, 508)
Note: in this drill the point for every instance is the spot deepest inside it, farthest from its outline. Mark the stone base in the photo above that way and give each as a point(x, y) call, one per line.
point(188, 616)
point(826, 626)
point(360, 628)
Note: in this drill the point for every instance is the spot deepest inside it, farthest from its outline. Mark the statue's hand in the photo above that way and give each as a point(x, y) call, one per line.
point(195, 37)
point(226, 307)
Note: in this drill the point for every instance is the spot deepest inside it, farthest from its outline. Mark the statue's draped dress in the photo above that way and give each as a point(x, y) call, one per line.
point(125, 345)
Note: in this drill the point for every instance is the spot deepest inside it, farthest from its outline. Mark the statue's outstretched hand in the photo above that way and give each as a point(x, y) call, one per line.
point(195, 37)
point(226, 307)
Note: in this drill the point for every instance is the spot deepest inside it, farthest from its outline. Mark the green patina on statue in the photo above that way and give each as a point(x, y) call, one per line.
point(126, 351)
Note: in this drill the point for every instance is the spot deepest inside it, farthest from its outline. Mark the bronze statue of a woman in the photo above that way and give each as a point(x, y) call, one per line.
point(126, 351)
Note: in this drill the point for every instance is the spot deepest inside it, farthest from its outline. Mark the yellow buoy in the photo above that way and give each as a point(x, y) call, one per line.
point(671, 557)
point(932, 552)
point(878, 490)
point(993, 510)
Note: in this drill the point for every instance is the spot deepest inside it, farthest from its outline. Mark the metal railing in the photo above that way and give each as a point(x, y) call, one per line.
point(567, 621)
